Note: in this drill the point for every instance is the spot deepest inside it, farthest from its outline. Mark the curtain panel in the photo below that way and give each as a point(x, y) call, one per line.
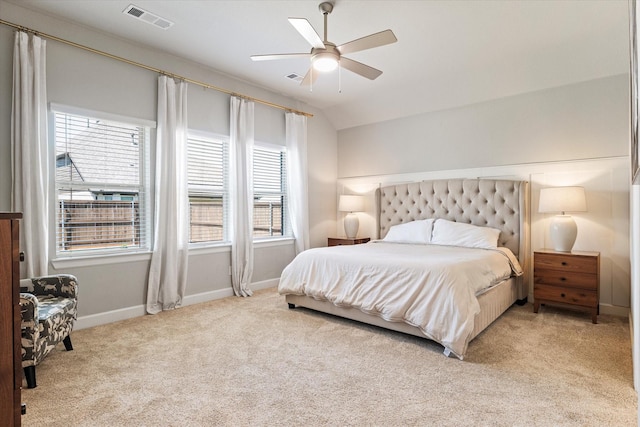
point(30, 151)
point(241, 190)
point(296, 139)
point(168, 269)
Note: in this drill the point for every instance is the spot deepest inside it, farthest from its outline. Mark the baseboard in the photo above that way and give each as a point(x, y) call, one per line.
point(98, 319)
point(265, 284)
point(92, 320)
point(632, 340)
point(614, 310)
point(207, 296)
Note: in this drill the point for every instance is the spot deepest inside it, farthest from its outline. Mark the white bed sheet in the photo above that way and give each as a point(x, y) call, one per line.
point(431, 287)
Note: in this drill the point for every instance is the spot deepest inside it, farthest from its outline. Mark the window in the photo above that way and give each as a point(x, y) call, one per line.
point(269, 192)
point(100, 177)
point(207, 172)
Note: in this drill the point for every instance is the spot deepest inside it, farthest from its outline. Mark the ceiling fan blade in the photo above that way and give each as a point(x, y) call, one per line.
point(373, 40)
point(359, 68)
point(309, 78)
point(279, 56)
point(306, 30)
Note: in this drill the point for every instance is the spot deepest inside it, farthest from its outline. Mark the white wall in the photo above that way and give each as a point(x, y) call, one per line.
point(117, 288)
point(581, 121)
point(635, 285)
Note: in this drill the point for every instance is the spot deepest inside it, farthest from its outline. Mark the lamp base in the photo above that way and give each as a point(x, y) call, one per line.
point(351, 225)
point(563, 233)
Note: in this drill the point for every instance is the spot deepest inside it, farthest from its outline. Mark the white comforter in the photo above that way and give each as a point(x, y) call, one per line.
point(431, 287)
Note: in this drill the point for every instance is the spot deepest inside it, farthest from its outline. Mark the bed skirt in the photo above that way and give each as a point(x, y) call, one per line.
point(493, 303)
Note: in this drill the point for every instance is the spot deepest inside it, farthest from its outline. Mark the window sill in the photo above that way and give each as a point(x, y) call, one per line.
point(280, 241)
point(92, 260)
point(199, 249)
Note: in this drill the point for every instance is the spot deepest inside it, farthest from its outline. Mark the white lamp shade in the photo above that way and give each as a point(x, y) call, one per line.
point(562, 199)
point(563, 228)
point(351, 203)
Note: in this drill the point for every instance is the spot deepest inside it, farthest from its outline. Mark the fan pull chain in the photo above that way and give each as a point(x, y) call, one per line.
point(311, 76)
point(339, 77)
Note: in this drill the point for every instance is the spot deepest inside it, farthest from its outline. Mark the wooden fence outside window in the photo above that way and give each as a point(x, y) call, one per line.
point(95, 224)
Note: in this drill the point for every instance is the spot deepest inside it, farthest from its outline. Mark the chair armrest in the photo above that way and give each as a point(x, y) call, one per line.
point(60, 285)
point(29, 319)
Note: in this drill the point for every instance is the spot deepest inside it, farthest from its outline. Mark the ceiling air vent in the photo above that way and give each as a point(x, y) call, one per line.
point(295, 77)
point(148, 17)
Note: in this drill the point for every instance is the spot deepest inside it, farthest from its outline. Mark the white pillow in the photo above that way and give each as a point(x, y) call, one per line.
point(467, 235)
point(418, 231)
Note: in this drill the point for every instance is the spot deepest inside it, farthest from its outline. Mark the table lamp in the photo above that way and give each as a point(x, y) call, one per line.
point(563, 227)
point(351, 204)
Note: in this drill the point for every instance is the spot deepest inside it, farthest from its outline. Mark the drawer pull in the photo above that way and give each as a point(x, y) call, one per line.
point(563, 279)
point(562, 295)
point(564, 262)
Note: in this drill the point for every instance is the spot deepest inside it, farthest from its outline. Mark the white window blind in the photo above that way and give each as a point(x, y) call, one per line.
point(207, 170)
point(269, 191)
point(100, 178)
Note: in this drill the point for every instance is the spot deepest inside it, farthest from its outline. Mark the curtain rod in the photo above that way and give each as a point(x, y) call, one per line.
point(156, 70)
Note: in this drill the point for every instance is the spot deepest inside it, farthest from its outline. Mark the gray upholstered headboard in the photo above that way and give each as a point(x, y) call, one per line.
point(501, 204)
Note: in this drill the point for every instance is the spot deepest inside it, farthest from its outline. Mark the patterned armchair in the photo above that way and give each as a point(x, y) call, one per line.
point(48, 306)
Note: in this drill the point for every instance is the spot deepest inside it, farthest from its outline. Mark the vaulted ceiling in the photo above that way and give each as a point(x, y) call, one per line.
point(448, 54)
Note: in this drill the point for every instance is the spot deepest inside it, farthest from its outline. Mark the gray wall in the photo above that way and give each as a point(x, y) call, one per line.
point(82, 79)
point(580, 121)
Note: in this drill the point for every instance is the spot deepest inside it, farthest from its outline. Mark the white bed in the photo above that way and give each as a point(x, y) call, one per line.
point(438, 291)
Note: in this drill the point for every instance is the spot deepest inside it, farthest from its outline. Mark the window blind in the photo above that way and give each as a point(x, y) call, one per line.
point(269, 191)
point(100, 185)
point(207, 178)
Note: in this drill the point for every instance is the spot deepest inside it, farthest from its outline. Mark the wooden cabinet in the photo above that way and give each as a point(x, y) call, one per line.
point(10, 350)
point(570, 279)
point(338, 241)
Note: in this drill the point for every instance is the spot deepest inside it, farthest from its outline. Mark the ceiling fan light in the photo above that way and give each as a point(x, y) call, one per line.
point(325, 62)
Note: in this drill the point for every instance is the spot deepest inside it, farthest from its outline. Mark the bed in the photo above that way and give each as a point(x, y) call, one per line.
point(448, 288)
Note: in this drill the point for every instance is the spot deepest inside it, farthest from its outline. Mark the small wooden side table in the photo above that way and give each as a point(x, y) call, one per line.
point(338, 241)
point(570, 279)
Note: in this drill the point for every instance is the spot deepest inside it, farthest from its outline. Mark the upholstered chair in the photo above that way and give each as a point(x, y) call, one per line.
point(48, 306)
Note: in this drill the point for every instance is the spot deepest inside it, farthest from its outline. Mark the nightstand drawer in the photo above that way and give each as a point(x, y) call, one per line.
point(566, 295)
point(339, 241)
point(566, 279)
point(568, 263)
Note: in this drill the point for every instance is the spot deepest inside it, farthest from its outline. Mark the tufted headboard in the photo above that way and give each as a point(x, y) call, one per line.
point(501, 204)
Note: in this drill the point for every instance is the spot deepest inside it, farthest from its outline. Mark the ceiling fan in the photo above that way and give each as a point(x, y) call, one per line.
point(326, 56)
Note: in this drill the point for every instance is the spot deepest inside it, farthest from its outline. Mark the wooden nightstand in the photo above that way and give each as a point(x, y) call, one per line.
point(338, 241)
point(570, 279)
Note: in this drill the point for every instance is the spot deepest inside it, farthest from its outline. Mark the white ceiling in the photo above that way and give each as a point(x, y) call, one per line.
point(448, 54)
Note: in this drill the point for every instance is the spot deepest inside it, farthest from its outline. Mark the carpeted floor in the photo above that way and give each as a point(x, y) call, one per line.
point(254, 362)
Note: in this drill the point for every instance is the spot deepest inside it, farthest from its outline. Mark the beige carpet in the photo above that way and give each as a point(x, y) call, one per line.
point(254, 362)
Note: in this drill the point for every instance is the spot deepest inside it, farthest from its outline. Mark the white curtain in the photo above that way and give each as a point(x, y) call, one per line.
point(30, 151)
point(296, 136)
point(241, 190)
point(168, 270)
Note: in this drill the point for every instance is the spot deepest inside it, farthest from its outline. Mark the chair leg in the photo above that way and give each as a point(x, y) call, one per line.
point(30, 375)
point(67, 343)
